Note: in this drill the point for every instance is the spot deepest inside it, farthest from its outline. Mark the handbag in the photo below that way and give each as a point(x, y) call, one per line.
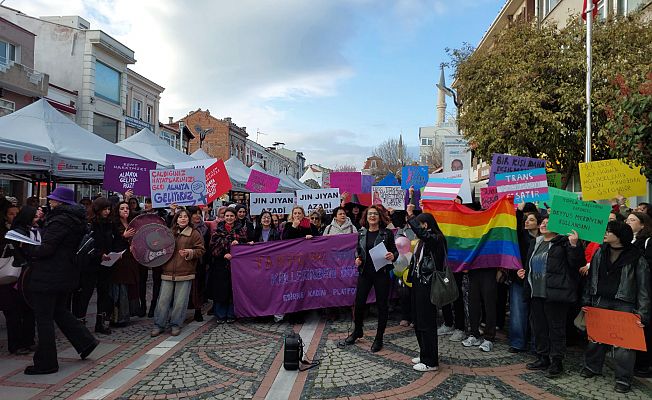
point(443, 289)
point(8, 273)
point(580, 321)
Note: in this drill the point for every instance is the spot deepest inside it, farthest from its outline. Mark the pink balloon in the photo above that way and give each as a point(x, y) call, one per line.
point(402, 245)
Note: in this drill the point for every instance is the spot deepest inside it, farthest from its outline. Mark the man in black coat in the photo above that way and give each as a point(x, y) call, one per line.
point(53, 277)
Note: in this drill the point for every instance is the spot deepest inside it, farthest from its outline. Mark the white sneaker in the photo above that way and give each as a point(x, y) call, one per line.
point(424, 368)
point(278, 317)
point(457, 336)
point(445, 330)
point(471, 341)
point(416, 360)
point(486, 346)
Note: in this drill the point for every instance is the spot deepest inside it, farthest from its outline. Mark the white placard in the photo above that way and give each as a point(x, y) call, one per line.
point(312, 199)
point(389, 196)
point(276, 203)
point(113, 257)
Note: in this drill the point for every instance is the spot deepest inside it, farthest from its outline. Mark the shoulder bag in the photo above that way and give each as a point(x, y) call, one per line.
point(8, 273)
point(443, 289)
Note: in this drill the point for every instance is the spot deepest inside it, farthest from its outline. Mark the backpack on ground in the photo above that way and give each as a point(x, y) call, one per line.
point(293, 354)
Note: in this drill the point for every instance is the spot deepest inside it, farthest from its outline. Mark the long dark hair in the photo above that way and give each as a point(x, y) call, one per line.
point(98, 205)
point(24, 219)
point(175, 226)
point(646, 221)
point(433, 226)
point(260, 220)
point(116, 212)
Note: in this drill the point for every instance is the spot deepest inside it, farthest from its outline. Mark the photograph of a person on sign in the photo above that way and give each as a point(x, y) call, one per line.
point(457, 165)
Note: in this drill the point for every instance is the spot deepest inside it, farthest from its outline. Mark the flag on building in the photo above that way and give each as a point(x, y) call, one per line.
point(478, 239)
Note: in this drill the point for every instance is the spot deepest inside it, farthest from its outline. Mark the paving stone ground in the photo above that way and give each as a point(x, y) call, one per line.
point(241, 360)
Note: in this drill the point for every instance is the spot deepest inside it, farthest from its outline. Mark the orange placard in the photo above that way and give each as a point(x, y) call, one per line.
point(616, 328)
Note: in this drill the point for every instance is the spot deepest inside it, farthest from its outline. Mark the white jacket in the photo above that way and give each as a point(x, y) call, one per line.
point(335, 229)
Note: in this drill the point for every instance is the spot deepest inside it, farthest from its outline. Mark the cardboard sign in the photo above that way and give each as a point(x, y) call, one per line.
point(489, 196)
point(260, 182)
point(388, 196)
point(552, 192)
point(217, 180)
point(587, 218)
point(185, 187)
point(554, 180)
point(124, 173)
point(349, 182)
point(276, 203)
point(311, 200)
point(502, 163)
point(526, 186)
point(616, 328)
point(414, 176)
point(604, 180)
point(388, 180)
point(367, 183)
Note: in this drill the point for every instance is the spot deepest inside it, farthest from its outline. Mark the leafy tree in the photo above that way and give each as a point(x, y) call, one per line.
point(526, 94)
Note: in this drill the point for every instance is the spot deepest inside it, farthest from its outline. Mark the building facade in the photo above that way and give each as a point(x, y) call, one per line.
point(223, 139)
point(90, 62)
point(297, 164)
point(143, 98)
point(171, 133)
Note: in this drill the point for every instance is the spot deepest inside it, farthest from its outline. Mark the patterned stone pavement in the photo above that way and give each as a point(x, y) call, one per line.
point(242, 360)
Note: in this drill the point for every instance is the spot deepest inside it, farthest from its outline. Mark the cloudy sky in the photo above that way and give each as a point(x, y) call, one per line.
point(331, 78)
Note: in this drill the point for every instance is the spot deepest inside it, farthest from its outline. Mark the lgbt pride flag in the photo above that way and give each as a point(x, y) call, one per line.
point(478, 239)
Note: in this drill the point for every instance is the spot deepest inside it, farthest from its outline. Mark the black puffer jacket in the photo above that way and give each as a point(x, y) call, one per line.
point(562, 270)
point(103, 235)
point(52, 269)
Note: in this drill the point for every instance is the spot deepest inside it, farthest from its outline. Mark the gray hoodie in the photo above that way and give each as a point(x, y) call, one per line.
point(335, 229)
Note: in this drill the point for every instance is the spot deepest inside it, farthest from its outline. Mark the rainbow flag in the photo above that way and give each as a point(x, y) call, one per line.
point(478, 239)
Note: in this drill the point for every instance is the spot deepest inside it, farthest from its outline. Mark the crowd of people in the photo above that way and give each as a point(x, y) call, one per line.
point(560, 275)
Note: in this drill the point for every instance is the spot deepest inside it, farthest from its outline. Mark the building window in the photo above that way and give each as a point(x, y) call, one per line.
point(548, 5)
point(105, 127)
point(426, 141)
point(374, 165)
point(625, 7)
point(170, 138)
point(137, 109)
point(7, 52)
point(107, 83)
point(6, 107)
point(150, 114)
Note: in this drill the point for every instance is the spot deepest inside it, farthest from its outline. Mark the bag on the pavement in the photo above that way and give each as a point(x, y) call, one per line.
point(443, 289)
point(293, 354)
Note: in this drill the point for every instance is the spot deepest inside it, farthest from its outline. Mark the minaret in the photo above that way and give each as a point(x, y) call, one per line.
point(441, 99)
point(400, 148)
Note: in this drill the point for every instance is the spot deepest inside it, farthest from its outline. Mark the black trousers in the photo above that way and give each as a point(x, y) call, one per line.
point(501, 304)
point(644, 358)
point(482, 289)
point(406, 303)
point(454, 313)
point(48, 309)
point(548, 321)
point(381, 282)
point(143, 273)
point(20, 322)
point(91, 279)
point(428, 351)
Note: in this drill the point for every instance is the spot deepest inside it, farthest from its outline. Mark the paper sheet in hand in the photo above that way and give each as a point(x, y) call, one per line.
point(13, 235)
point(377, 254)
point(113, 257)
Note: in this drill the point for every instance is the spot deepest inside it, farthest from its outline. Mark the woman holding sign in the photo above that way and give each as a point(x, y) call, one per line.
point(619, 280)
point(373, 233)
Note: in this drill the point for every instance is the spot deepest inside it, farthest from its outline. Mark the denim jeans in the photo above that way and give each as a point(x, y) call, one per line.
point(223, 311)
point(177, 293)
point(519, 312)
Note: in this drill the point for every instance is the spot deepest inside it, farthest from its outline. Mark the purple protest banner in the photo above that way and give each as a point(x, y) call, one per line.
point(501, 163)
point(349, 182)
point(124, 173)
point(260, 182)
point(292, 275)
point(367, 183)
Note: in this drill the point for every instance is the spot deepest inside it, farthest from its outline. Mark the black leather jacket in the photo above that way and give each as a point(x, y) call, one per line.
point(384, 235)
point(634, 286)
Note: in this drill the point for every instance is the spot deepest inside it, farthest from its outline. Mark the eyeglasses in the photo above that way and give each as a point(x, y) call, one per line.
point(373, 213)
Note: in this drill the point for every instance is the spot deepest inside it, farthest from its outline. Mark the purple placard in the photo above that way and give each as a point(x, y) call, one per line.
point(501, 163)
point(349, 182)
point(367, 183)
point(292, 275)
point(124, 173)
point(259, 182)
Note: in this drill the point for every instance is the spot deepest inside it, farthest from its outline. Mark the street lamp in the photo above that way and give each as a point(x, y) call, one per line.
point(450, 93)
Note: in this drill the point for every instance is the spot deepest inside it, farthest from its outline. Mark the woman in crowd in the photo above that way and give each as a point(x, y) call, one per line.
point(124, 291)
point(429, 253)
point(18, 315)
point(134, 205)
point(316, 219)
point(641, 225)
point(244, 220)
point(96, 275)
point(341, 223)
point(265, 229)
point(299, 226)
point(551, 277)
point(229, 232)
point(198, 290)
point(619, 279)
point(177, 275)
point(220, 213)
point(279, 222)
point(519, 310)
point(374, 232)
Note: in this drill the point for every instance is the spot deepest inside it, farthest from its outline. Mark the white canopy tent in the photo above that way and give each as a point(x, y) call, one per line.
point(23, 157)
point(73, 151)
point(238, 173)
point(200, 154)
point(146, 144)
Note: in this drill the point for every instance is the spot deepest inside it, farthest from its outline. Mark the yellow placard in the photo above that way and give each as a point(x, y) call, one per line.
point(604, 180)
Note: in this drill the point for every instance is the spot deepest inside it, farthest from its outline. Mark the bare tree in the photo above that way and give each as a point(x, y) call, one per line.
point(434, 156)
point(345, 168)
point(394, 155)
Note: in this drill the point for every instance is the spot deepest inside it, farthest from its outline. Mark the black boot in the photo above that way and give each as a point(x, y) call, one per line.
point(556, 368)
point(198, 316)
point(353, 337)
point(542, 362)
point(99, 325)
point(377, 345)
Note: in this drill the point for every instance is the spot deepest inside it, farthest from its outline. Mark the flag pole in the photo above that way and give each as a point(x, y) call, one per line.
point(589, 26)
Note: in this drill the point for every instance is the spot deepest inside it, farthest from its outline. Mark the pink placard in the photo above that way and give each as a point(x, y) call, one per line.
point(488, 196)
point(262, 183)
point(350, 182)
